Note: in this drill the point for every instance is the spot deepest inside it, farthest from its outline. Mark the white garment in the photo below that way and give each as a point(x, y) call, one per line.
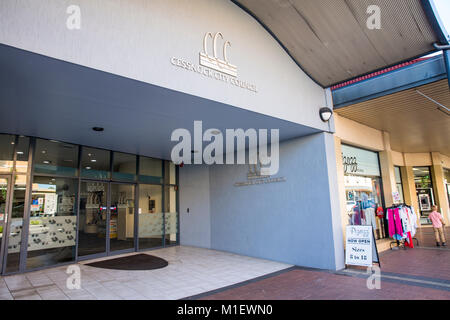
point(370, 218)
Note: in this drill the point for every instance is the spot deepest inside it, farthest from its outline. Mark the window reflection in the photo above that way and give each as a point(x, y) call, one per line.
point(150, 216)
point(171, 215)
point(7, 143)
point(15, 228)
point(95, 163)
point(53, 157)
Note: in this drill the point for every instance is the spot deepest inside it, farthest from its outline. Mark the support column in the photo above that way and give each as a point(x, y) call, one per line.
point(409, 189)
point(341, 184)
point(387, 170)
point(437, 176)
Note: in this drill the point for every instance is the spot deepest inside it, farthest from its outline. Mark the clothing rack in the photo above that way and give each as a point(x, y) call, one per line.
point(398, 242)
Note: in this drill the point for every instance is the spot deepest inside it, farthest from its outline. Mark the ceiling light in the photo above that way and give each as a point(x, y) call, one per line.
point(88, 168)
point(19, 152)
point(47, 161)
point(93, 160)
point(12, 142)
point(44, 152)
point(325, 114)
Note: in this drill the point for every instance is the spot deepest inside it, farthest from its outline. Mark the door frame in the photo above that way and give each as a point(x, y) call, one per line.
point(107, 251)
point(6, 219)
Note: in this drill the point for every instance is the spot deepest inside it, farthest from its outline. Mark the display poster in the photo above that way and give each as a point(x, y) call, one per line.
point(360, 246)
point(396, 197)
point(50, 203)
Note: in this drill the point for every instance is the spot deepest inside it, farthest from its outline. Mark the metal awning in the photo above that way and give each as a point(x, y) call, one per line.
point(416, 118)
point(330, 40)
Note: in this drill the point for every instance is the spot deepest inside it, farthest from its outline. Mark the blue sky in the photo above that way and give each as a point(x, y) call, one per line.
point(443, 7)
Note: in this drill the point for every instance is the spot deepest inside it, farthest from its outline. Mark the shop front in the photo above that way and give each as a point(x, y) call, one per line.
point(425, 194)
point(62, 203)
point(363, 185)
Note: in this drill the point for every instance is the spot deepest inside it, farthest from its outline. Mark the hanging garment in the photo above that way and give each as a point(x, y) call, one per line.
point(356, 216)
point(395, 224)
point(370, 218)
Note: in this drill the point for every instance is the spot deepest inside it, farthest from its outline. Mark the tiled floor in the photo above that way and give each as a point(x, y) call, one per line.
point(191, 271)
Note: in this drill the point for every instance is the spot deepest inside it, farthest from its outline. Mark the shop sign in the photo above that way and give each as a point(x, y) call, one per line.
point(360, 162)
point(360, 246)
point(215, 67)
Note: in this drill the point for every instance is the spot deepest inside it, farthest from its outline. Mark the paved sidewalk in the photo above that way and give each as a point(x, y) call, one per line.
point(406, 274)
point(190, 271)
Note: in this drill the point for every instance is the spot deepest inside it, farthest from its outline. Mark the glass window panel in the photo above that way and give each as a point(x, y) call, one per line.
point(398, 176)
point(95, 163)
point(53, 221)
point(124, 167)
point(150, 170)
point(150, 216)
point(92, 218)
point(4, 182)
point(53, 157)
point(22, 149)
point(122, 217)
point(15, 228)
point(7, 143)
point(171, 173)
point(422, 177)
point(171, 215)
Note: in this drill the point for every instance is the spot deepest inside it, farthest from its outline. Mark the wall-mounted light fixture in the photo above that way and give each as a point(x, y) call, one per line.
point(325, 113)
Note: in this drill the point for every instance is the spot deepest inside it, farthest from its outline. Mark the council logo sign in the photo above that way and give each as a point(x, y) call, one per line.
point(214, 62)
point(215, 65)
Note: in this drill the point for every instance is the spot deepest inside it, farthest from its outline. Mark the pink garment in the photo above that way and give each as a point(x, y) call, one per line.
point(395, 223)
point(435, 218)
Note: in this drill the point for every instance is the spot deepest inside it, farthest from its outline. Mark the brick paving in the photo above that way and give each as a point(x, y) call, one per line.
point(419, 264)
point(426, 238)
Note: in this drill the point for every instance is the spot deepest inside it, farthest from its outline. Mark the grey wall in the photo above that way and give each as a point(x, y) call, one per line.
point(296, 221)
point(195, 226)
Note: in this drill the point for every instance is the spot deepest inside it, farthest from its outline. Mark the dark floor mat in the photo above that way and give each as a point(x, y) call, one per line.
point(135, 262)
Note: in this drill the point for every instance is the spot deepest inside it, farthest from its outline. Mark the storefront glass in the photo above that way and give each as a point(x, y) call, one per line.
point(124, 167)
point(95, 164)
point(122, 217)
point(52, 230)
point(425, 192)
point(80, 207)
point(56, 158)
point(364, 203)
point(150, 216)
point(398, 182)
point(15, 223)
point(93, 218)
point(7, 143)
point(170, 215)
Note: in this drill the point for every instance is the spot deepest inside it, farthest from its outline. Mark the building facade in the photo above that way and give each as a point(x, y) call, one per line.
point(90, 98)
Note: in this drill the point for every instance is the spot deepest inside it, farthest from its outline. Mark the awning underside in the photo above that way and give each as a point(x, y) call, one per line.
point(331, 41)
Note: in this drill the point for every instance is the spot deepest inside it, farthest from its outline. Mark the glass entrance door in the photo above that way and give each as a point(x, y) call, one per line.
point(107, 218)
point(4, 209)
point(122, 217)
point(93, 219)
